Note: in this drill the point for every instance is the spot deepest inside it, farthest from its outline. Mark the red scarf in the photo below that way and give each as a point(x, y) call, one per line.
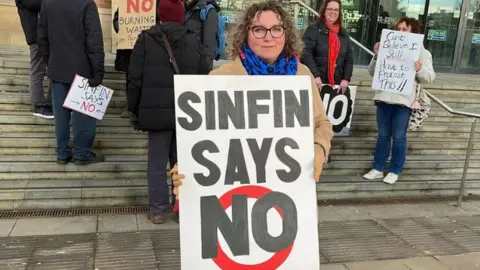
point(333, 49)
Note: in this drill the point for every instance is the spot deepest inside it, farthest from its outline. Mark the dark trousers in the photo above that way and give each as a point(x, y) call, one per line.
point(37, 73)
point(84, 127)
point(161, 148)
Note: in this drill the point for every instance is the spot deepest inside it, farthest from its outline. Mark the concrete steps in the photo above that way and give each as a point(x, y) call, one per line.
point(30, 178)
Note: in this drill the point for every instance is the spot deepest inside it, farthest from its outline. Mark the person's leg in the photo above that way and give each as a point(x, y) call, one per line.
point(158, 192)
point(384, 124)
point(401, 118)
point(126, 113)
point(84, 131)
point(62, 121)
point(39, 102)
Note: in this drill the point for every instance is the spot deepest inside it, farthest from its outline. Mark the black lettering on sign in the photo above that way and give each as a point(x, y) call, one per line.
point(293, 108)
point(236, 167)
point(210, 110)
point(339, 106)
point(290, 162)
point(260, 156)
point(254, 109)
point(289, 221)
point(183, 104)
point(197, 154)
point(228, 110)
point(235, 231)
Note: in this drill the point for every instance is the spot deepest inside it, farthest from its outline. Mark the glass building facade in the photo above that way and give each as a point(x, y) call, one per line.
point(451, 27)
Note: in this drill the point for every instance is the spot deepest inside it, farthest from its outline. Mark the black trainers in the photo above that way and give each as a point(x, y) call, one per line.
point(63, 161)
point(93, 158)
point(125, 114)
point(43, 112)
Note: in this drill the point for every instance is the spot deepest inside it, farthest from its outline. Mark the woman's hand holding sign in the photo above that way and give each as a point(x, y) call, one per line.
point(176, 180)
point(376, 48)
point(343, 87)
point(418, 66)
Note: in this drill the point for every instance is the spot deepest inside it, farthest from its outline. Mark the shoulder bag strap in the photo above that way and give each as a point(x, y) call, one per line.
point(170, 53)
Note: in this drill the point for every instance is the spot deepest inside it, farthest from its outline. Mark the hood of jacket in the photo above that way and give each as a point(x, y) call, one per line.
point(173, 31)
point(199, 4)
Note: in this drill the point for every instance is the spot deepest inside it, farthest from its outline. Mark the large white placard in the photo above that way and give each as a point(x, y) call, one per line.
point(92, 101)
point(242, 137)
point(339, 107)
point(395, 68)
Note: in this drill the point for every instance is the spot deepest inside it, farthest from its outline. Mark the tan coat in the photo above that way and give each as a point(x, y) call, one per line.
point(323, 132)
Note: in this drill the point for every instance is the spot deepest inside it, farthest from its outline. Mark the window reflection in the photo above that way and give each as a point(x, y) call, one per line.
point(471, 44)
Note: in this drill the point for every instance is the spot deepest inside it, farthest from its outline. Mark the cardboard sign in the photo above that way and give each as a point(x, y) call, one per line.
point(246, 148)
point(134, 16)
point(92, 101)
point(339, 107)
point(395, 68)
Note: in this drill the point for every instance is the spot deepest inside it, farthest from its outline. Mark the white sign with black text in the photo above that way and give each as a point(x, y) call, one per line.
point(92, 101)
point(246, 148)
point(339, 107)
point(395, 67)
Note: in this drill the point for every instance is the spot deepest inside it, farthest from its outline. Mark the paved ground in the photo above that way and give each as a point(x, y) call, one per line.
point(419, 236)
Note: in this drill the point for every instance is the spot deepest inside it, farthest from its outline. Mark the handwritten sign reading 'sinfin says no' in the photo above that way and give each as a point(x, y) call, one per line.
point(92, 101)
point(395, 67)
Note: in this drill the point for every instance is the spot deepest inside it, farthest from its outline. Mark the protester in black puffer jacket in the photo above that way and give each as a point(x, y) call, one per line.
point(150, 94)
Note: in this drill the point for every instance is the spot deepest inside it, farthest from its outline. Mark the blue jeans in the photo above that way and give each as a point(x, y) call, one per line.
point(392, 122)
point(84, 127)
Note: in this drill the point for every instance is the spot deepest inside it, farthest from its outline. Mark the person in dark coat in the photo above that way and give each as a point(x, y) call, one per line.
point(328, 49)
point(28, 10)
point(205, 31)
point(122, 57)
point(70, 38)
point(150, 94)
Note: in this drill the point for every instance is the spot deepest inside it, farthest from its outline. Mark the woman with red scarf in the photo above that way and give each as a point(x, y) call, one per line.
point(328, 50)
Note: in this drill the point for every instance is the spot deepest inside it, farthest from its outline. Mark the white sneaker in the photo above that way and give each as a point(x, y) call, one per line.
point(373, 174)
point(391, 178)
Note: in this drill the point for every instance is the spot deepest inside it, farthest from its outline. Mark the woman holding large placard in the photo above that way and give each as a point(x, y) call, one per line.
point(265, 42)
point(394, 110)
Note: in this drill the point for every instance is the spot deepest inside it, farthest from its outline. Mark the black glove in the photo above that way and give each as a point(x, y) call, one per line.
point(134, 122)
point(94, 82)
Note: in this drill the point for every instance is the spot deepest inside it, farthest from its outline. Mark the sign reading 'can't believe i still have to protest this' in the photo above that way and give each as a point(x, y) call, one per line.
point(245, 146)
point(134, 16)
point(395, 67)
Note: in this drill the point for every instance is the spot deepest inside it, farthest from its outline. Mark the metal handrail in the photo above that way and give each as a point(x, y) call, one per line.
point(431, 96)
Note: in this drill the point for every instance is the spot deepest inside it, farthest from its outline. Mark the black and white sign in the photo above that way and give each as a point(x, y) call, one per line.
point(339, 107)
point(245, 146)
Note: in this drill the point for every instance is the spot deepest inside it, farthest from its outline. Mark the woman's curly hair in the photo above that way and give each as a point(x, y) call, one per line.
point(293, 42)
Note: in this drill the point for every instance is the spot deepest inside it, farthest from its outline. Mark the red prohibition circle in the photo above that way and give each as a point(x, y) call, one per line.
point(222, 260)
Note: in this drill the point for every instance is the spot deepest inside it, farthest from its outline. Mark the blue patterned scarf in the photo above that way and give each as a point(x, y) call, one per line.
point(256, 66)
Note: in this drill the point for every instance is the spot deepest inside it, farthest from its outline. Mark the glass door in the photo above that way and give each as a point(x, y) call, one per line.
point(469, 62)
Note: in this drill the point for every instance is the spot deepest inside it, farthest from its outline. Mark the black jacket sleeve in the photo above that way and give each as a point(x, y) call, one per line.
point(94, 39)
point(115, 21)
point(42, 33)
point(135, 74)
point(348, 66)
point(209, 38)
point(310, 40)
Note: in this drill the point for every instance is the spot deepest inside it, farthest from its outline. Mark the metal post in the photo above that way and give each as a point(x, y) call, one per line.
point(467, 161)
point(295, 14)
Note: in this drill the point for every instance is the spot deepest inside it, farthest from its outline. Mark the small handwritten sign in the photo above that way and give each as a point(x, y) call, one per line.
point(92, 101)
point(395, 68)
point(134, 16)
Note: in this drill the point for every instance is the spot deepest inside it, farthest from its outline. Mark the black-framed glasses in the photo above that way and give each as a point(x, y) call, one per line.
point(261, 32)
